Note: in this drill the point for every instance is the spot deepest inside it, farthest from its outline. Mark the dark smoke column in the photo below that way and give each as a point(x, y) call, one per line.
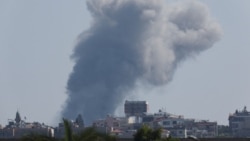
point(133, 41)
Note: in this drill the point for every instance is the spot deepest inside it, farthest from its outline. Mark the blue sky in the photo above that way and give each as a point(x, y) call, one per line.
point(37, 38)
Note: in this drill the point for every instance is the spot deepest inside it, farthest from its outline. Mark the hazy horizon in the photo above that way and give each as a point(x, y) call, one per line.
point(37, 39)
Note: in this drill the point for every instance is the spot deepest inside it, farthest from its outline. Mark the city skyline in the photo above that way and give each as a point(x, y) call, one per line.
point(17, 115)
point(37, 40)
point(19, 118)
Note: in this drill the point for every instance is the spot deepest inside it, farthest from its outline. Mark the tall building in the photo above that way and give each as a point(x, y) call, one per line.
point(239, 123)
point(135, 108)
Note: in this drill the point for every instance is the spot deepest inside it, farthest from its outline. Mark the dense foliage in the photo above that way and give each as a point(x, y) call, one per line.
point(35, 137)
point(145, 133)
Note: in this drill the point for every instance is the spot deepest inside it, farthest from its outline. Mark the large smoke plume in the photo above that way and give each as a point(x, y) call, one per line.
point(133, 41)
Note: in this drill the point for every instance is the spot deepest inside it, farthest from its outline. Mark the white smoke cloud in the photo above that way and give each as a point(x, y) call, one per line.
point(131, 41)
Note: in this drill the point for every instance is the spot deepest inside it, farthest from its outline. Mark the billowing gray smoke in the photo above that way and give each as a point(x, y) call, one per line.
point(133, 41)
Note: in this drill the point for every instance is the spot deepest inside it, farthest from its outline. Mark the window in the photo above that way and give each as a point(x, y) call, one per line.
point(166, 123)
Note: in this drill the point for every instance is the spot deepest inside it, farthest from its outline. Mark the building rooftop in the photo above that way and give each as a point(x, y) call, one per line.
point(244, 112)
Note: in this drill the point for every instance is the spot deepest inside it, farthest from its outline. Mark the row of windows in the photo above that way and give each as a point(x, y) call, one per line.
point(169, 122)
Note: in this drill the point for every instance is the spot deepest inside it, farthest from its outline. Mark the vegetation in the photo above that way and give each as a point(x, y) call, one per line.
point(147, 134)
point(68, 130)
point(89, 134)
point(36, 137)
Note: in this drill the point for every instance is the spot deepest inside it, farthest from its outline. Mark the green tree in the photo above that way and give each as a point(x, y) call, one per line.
point(145, 133)
point(89, 134)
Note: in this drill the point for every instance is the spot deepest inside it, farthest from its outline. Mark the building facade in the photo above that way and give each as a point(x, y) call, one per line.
point(239, 123)
point(135, 108)
point(18, 128)
point(180, 127)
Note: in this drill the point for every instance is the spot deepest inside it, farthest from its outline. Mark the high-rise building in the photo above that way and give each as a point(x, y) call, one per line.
point(135, 108)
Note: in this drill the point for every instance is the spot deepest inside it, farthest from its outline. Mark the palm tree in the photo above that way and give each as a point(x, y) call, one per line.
point(68, 130)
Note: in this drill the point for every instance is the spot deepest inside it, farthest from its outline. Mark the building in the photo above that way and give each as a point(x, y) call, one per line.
point(76, 125)
point(180, 127)
point(178, 132)
point(135, 108)
point(239, 123)
point(171, 122)
point(18, 128)
point(122, 127)
point(203, 129)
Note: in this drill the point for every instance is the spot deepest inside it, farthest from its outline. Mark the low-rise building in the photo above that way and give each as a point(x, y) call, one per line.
point(122, 127)
point(178, 132)
point(18, 128)
point(18, 132)
point(239, 123)
point(179, 126)
point(77, 126)
point(203, 129)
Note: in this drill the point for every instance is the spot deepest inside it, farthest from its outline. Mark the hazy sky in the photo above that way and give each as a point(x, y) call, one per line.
point(37, 38)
